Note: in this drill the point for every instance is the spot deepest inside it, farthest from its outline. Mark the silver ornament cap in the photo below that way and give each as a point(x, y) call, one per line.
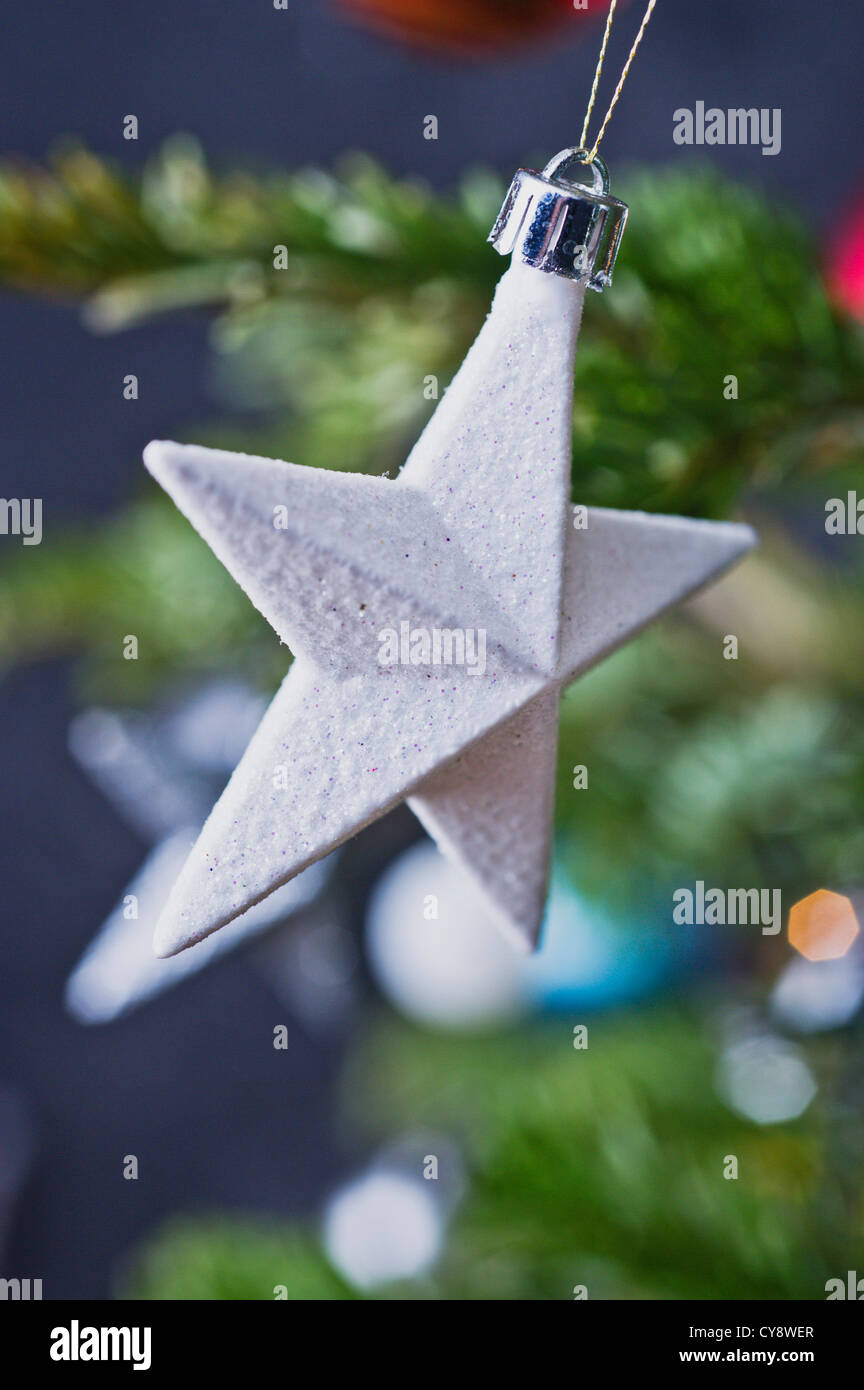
point(563, 220)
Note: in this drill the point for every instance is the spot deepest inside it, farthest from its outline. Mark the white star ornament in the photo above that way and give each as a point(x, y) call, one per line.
point(434, 620)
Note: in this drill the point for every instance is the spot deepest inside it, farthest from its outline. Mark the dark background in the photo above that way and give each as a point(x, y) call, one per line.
point(191, 1084)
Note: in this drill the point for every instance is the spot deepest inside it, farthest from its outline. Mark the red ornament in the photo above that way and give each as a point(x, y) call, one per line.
point(845, 262)
point(467, 26)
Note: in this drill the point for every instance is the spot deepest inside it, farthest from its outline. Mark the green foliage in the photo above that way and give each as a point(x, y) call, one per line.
point(219, 1259)
point(714, 282)
point(604, 1166)
point(385, 284)
point(178, 235)
point(697, 762)
point(150, 566)
point(601, 1167)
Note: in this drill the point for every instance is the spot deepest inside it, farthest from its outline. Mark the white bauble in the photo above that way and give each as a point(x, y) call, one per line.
point(434, 951)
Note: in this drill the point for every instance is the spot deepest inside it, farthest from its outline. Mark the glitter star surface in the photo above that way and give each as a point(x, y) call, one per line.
point(462, 543)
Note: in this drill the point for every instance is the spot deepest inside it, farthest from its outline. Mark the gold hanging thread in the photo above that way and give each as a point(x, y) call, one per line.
point(622, 79)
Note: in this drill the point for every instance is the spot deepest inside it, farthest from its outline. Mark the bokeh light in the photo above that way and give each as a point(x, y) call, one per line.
point(823, 925)
point(381, 1228)
point(765, 1079)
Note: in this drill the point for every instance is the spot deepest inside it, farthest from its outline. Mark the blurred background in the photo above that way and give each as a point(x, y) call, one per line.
point(338, 1097)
